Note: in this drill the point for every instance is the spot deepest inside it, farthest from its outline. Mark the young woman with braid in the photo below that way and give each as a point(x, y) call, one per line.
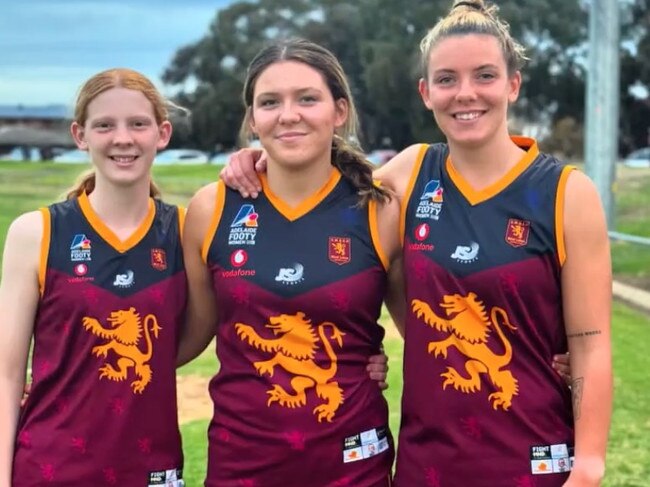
point(293, 285)
point(507, 261)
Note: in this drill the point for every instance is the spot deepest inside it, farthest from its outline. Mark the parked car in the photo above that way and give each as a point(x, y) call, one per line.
point(380, 157)
point(638, 158)
point(17, 155)
point(181, 156)
point(75, 156)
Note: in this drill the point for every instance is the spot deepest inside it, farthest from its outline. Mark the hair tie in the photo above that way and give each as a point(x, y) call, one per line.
point(468, 4)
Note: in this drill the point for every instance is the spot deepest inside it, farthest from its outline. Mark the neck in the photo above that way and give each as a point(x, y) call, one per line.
point(483, 165)
point(295, 185)
point(122, 209)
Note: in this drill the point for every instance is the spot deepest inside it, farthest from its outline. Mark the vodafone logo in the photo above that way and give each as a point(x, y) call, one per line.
point(238, 258)
point(422, 232)
point(81, 269)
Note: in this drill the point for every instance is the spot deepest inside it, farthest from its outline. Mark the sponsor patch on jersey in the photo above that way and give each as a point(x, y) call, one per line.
point(365, 445)
point(80, 248)
point(340, 250)
point(80, 271)
point(517, 232)
point(431, 201)
point(124, 280)
point(244, 226)
point(158, 259)
point(238, 258)
point(422, 232)
point(466, 254)
point(166, 478)
point(291, 275)
point(548, 459)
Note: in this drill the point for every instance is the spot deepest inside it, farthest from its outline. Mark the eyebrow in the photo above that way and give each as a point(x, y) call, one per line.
point(479, 68)
point(300, 91)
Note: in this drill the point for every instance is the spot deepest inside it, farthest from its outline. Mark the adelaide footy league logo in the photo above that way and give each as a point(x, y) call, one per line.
point(80, 248)
point(244, 226)
point(431, 201)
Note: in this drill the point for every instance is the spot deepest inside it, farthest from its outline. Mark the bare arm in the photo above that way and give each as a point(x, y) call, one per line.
point(388, 225)
point(586, 297)
point(19, 296)
point(201, 315)
point(396, 173)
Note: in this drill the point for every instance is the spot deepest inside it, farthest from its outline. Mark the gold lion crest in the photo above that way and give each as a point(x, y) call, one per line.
point(124, 338)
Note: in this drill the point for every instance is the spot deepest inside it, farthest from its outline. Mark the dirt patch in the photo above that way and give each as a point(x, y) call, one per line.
point(193, 399)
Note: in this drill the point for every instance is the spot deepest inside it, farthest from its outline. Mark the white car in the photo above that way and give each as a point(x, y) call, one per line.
point(638, 158)
point(181, 156)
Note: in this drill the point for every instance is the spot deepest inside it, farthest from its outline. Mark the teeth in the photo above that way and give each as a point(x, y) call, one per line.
point(123, 158)
point(467, 116)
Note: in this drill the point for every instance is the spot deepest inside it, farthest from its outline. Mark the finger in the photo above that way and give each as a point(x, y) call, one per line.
point(378, 359)
point(562, 358)
point(245, 170)
point(378, 376)
point(382, 386)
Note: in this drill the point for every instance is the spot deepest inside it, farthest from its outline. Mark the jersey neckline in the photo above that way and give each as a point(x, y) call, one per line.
point(107, 234)
point(292, 213)
point(474, 197)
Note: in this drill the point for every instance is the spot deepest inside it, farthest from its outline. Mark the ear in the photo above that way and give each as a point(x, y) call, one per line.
point(514, 84)
point(342, 110)
point(423, 88)
point(79, 135)
point(164, 134)
point(250, 120)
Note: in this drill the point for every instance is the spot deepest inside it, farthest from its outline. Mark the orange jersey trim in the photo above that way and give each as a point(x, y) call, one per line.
point(45, 248)
point(107, 234)
point(559, 214)
point(475, 197)
point(181, 220)
point(219, 202)
point(409, 190)
point(293, 213)
point(373, 221)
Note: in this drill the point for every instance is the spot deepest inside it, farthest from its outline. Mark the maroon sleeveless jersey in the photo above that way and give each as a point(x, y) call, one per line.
point(102, 409)
point(482, 406)
point(299, 292)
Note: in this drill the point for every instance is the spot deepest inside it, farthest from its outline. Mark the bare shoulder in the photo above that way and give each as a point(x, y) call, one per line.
point(206, 195)
point(582, 205)
point(23, 243)
point(388, 215)
point(26, 230)
point(396, 173)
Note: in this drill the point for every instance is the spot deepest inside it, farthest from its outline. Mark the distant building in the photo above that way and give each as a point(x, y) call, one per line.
point(45, 117)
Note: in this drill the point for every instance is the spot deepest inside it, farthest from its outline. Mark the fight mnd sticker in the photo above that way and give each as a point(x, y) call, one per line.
point(547, 459)
point(168, 478)
point(365, 445)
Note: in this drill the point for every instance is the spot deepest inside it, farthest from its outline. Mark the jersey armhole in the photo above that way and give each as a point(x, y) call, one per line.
point(374, 233)
point(559, 214)
point(409, 190)
point(182, 211)
point(45, 248)
point(220, 200)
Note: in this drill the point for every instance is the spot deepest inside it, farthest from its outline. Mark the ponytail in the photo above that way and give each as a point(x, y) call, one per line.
point(86, 184)
point(354, 167)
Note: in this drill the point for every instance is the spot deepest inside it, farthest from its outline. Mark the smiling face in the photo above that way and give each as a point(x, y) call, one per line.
point(121, 135)
point(294, 114)
point(468, 88)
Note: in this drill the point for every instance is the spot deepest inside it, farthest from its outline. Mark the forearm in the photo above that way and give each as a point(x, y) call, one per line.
point(592, 393)
point(9, 412)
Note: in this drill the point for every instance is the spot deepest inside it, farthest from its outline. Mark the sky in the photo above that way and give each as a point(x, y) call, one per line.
point(48, 48)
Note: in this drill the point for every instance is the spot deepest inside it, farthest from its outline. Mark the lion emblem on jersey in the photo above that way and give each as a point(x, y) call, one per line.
point(469, 330)
point(124, 335)
point(294, 352)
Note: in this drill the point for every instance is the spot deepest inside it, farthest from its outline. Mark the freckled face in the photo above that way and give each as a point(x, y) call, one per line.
point(121, 135)
point(468, 88)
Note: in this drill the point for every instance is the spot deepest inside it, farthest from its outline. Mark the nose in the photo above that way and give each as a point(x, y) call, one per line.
point(122, 135)
point(289, 113)
point(466, 91)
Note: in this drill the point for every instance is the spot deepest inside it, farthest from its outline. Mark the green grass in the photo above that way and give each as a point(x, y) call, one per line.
point(26, 186)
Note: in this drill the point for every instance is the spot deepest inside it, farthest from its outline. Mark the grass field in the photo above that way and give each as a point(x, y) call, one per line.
point(24, 187)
